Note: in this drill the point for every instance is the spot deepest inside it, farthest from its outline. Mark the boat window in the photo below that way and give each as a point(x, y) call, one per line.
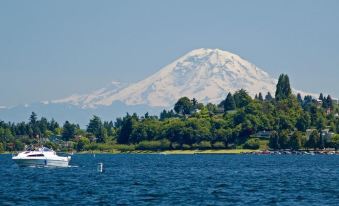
point(36, 155)
point(45, 149)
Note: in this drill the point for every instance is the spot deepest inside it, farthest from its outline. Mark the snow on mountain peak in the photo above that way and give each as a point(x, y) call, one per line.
point(205, 74)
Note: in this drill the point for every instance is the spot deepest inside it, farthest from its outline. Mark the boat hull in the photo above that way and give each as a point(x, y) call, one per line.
point(41, 162)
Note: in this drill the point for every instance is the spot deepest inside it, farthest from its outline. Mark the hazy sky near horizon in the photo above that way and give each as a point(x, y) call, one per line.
point(51, 49)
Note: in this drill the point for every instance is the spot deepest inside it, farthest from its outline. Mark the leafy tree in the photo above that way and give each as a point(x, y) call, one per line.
point(284, 139)
point(320, 122)
point(252, 143)
point(241, 98)
point(283, 90)
point(313, 140)
point(335, 141)
point(167, 114)
point(274, 140)
point(183, 106)
point(296, 140)
point(303, 122)
point(229, 103)
point(1, 147)
point(83, 141)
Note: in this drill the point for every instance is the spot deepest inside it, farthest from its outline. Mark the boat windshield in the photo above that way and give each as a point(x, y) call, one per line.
point(45, 149)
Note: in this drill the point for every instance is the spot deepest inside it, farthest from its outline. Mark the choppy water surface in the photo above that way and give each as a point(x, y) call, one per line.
point(175, 180)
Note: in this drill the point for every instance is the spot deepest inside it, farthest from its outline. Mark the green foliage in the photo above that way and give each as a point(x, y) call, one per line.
point(163, 144)
point(296, 140)
point(194, 125)
point(335, 141)
point(313, 140)
point(2, 149)
point(68, 131)
point(203, 145)
point(303, 122)
point(126, 129)
point(83, 141)
point(268, 97)
point(183, 106)
point(229, 103)
point(283, 90)
point(218, 145)
point(241, 98)
point(253, 143)
point(96, 128)
point(124, 147)
point(274, 141)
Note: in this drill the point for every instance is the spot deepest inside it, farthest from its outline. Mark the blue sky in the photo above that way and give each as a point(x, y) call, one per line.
point(51, 49)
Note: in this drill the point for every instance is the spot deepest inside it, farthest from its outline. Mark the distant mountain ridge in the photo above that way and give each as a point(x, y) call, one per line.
point(205, 74)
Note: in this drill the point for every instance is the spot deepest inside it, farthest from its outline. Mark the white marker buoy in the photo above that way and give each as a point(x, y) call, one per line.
point(100, 167)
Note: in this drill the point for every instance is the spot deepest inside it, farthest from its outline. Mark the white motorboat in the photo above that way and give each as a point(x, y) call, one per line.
point(41, 156)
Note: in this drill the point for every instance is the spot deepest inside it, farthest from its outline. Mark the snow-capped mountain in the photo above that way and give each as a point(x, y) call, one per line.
point(205, 74)
point(90, 100)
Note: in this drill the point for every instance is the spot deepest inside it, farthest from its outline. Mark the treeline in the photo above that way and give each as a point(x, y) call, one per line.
point(292, 122)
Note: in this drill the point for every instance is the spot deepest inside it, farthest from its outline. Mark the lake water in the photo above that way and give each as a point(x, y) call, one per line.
point(175, 180)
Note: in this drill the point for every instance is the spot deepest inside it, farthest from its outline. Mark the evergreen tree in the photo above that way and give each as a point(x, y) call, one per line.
point(68, 131)
point(126, 130)
point(96, 128)
point(329, 102)
point(212, 108)
point(33, 126)
point(303, 122)
point(300, 100)
point(33, 118)
point(321, 97)
point(229, 103)
point(194, 103)
point(268, 97)
point(283, 90)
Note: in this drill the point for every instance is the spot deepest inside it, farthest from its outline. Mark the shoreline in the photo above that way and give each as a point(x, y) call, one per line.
point(173, 152)
point(188, 152)
point(169, 152)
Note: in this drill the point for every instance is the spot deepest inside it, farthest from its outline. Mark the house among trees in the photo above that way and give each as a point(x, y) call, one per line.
point(319, 102)
point(308, 133)
point(327, 135)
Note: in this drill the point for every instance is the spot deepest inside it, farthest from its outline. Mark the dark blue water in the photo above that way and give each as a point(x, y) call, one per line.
point(175, 180)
